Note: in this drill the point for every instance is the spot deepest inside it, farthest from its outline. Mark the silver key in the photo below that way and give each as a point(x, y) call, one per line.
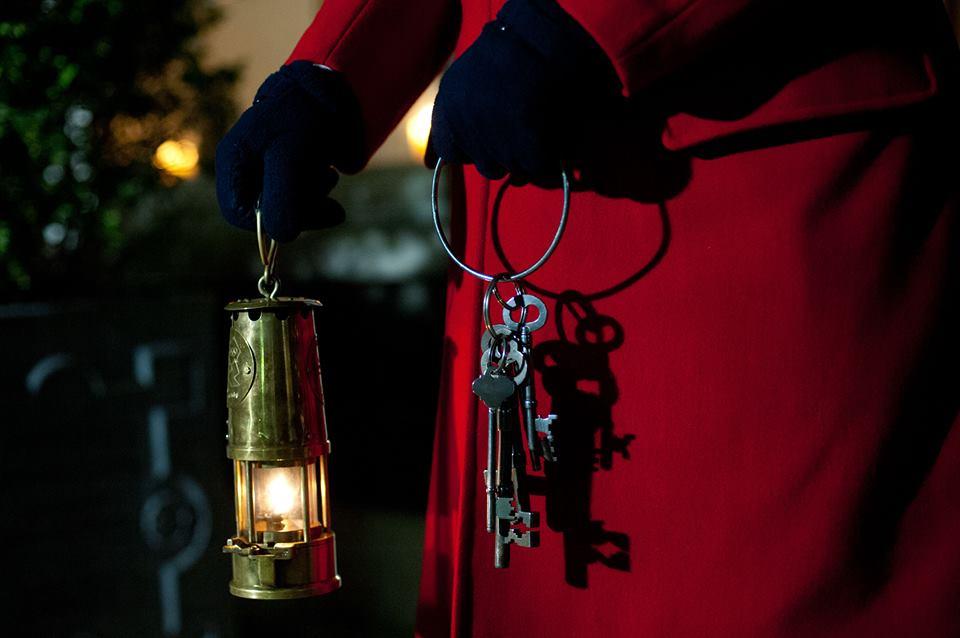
point(494, 390)
point(514, 358)
point(528, 301)
point(539, 447)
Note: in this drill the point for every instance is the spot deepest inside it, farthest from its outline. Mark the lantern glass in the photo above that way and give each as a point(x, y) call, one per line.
point(317, 486)
point(278, 503)
point(240, 492)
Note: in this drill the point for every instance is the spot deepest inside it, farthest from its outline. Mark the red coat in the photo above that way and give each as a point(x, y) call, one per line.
point(754, 357)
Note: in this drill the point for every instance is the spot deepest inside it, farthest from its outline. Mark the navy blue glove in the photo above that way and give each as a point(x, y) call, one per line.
point(523, 98)
point(304, 121)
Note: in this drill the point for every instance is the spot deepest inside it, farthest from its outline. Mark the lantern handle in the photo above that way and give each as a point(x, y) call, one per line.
point(269, 283)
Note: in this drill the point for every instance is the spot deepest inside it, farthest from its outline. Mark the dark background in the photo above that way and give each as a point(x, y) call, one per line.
point(115, 463)
point(114, 269)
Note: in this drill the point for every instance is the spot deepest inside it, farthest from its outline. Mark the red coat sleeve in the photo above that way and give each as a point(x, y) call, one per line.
point(649, 40)
point(389, 51)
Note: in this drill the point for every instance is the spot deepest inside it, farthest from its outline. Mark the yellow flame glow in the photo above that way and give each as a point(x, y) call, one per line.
point(280, 496)
point(179, 158)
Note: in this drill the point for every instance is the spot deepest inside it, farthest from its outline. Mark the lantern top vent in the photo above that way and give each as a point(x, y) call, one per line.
point(276, 304)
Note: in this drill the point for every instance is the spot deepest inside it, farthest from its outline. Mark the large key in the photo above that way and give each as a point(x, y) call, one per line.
point(505, 512)
point(539, 446)
point(515, 525)
point(493, 389)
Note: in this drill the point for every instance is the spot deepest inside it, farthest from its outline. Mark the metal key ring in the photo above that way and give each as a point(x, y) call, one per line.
point(518, 290)
point(434, 197)
point(491, 289)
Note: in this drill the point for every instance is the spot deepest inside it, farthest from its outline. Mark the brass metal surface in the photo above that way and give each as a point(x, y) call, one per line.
point(262, 303)
point(287, 570)
point(274, 389)
point(276, 419)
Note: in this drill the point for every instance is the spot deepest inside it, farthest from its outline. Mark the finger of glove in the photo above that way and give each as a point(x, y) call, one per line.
point(451, 153)
point(430, 155)
point(239, 173)
point(323, 214)
point(536, 153)
point(524, 136)
point(542, 180)
point(538, 164)
point(490, 168)
point(442, 141)
point(472, 148)
point(293, 184)
point(469, 146)
point(535, 163)
point(482, 152)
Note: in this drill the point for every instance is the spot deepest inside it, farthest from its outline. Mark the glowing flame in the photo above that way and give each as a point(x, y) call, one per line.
point(179, 158)
point(281, 496)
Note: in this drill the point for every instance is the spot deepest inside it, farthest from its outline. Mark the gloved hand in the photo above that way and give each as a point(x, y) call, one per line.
point(304, 121)
point(522, 99)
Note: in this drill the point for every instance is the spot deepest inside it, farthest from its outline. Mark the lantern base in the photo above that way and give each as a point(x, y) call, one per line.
point(286, 570)
point(285, 593)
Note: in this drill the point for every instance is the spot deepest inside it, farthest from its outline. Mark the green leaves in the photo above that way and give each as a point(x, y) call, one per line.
point(88, 90)
point(67, 75)
point(12, 30)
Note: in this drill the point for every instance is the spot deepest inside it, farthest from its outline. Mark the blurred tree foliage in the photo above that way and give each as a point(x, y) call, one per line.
point(88, 90)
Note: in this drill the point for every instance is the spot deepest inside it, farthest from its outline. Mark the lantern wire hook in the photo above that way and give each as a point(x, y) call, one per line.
point(269, 283)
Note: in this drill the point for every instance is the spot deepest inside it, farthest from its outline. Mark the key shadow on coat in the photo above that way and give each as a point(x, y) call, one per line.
point(577, 375)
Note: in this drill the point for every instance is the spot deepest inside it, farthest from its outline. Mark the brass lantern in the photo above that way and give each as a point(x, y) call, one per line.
point(277, 437)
